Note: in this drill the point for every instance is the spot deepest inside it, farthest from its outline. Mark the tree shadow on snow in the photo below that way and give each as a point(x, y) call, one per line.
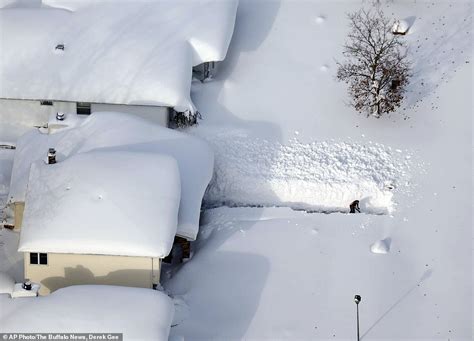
point(436, 56)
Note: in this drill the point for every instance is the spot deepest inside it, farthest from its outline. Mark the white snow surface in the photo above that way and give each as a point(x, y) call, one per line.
point(139, 52)
point(279, 274)
point(102, 202)
point(381, 246)
point(322, 176)
point(275, 273)
point(140, 314)
point(118, 131)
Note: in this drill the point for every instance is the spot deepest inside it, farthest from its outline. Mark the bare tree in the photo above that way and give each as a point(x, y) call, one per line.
point(375, 67)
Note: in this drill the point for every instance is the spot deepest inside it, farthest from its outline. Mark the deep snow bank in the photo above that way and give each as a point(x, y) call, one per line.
point(321, 176)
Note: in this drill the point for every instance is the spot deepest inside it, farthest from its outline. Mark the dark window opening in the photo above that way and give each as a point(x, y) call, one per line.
point(43, 258)
point(33, 258)
point(39, 258)
point(49, 103)
point(83, 108)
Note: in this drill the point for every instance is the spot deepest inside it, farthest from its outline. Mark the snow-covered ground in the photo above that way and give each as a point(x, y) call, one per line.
point(276, 273)
point(284, 136)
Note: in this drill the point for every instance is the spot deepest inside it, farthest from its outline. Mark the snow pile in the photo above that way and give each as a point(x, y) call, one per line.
point(88, 51)
point(381, 246)
point(102, 202)
point(6, 283)
point(321, 176)
point(400, 27)
point(124, 132)
point(140, 314)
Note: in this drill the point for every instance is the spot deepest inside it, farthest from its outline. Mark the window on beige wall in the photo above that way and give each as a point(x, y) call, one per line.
point(39, 258)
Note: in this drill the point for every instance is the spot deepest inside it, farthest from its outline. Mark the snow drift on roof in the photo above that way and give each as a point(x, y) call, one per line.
point(139, 52)
point(140, 314)
point(125, 132)
point(111, 203)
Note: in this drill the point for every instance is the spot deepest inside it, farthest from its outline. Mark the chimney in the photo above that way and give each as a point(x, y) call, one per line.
point(51, 156)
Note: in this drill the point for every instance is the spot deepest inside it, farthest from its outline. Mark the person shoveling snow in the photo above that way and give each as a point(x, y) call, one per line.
point(354, 206)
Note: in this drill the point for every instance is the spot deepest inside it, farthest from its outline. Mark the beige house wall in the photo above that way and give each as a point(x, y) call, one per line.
point(18, 209)
point(65, 270)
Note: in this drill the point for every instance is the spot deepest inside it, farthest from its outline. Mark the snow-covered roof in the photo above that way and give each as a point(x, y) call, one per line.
point(102, 202)
point(123, 52)
point(124, 132)
point(140, 314)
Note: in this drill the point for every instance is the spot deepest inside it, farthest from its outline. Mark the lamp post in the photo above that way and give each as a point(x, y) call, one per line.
point(357, 300)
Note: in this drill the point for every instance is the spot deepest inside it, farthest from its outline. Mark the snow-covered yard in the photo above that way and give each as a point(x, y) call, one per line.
point(276, 273)
point(284, 136)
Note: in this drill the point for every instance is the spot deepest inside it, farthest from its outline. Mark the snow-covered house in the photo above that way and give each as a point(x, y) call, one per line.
point(105, 133)
point(100, 217)
point(88, 56)
point(119, 131)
